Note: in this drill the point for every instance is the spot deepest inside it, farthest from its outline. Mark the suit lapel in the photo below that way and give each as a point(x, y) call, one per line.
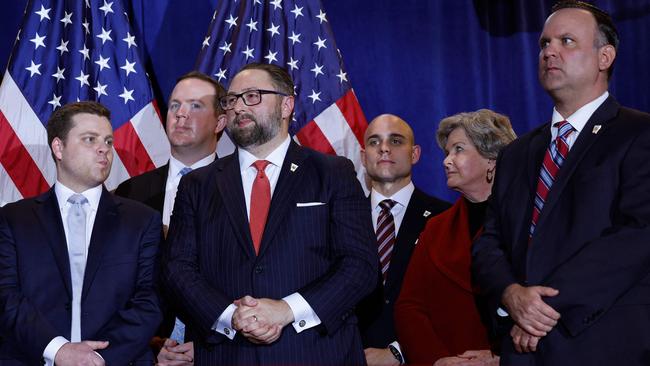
point(158, 187)
point(229, 183)
point(101, 237)
point(291, 174)
point(602, 116)
point(49, 215)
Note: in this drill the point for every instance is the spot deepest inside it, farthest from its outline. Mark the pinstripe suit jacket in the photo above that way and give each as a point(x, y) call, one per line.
point(325, 252)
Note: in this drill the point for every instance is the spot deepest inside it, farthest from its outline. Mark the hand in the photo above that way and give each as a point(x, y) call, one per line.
point(528, 310)
point(174, 354)
point(261, 320)
point(482, 357)
point(380, 357)
point(523, 342)
point(80, 354)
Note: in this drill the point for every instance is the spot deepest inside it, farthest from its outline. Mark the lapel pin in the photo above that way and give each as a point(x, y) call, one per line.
point(426, 213)
point(596, 129)
point(293, 167)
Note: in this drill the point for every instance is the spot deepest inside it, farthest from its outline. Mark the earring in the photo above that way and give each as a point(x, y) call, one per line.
point(489, 176)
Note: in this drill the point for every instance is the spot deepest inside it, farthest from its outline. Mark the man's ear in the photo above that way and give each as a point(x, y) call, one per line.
point(606, 56)
point(221, 124)
point(415, 154)
point(287, 106)
point(57, 148)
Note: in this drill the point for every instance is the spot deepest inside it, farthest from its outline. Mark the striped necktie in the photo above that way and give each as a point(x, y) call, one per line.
point(385, 235)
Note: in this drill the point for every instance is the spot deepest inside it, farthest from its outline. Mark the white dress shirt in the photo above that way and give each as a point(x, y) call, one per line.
point(302, 311)
point(173, 179)
point(62, 194)
point(578, 119)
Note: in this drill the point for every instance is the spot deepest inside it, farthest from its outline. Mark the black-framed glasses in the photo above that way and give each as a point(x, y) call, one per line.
point(250, 98)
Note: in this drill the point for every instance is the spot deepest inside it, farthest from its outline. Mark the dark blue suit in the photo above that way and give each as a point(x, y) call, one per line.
point(118, 304)
point(325, 252)
point(592, 240)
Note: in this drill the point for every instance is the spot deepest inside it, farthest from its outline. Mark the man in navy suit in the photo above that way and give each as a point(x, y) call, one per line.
point(389, 155)
point(77, 264)
point(565, 254)
point(195, 121)
point(270, 248)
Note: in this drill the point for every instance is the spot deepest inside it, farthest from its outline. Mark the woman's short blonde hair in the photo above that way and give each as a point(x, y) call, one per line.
point(489, 131)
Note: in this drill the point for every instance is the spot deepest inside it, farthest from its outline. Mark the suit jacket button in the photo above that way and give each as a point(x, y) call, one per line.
point(302, 323)
point(387, 301)
point(258, 269)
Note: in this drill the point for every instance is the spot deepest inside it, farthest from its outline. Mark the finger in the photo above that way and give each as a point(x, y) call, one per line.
point(546, 291)
point(95, 345)
point(170, 342)
point(248, 301)
point(549, 312)
point(532, 344)
point(182, 348)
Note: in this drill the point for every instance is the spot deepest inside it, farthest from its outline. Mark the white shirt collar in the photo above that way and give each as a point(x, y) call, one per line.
point(276, 157)
point(63, 193)
point(579, 118)
point(403, 196)
point(176, 165)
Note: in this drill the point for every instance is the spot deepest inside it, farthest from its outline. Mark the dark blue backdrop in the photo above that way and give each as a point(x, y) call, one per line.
point(420, 59)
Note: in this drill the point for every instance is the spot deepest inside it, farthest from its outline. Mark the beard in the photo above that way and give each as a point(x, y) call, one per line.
point(258, 132)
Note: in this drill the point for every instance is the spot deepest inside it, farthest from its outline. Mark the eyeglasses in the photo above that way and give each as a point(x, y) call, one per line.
point(250, 98)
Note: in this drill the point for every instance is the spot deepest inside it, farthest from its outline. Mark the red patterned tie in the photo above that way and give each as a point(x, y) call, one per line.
point(260, 202)
point(385, 235)
point(553, 160)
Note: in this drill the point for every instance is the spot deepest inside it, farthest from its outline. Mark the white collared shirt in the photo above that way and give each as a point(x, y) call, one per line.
point(62, 194)
point(402, 197)
point(174, 178)
point(303, 314)
point(578, 119)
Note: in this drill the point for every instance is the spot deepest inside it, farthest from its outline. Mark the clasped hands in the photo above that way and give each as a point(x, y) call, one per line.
point(533, 317)
point(261, 320)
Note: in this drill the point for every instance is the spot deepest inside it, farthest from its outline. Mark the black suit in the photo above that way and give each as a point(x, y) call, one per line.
point(592, 240)
point(375, 312)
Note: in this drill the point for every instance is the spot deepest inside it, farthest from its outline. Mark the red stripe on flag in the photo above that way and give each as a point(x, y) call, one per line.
point(18, 163)
point(157, 109)
point(351, 110)
point(133, 154)
point(312, 137)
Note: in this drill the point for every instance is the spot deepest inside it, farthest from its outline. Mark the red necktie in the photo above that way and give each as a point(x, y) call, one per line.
point(260, 202)
point(553, 160)
point(385, 235)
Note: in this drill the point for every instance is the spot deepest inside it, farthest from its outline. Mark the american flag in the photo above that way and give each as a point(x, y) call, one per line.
point(296, 35)
point(70, 50)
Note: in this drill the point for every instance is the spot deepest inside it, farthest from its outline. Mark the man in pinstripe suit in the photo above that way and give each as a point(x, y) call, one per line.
point(307, 265)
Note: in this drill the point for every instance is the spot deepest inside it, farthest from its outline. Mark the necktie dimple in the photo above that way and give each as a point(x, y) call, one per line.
point(385, 235)
point(260, 202)
point(77, 256)
point(555, 155)
point(184, 171)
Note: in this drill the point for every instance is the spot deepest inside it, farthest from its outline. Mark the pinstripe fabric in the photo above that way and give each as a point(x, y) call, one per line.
point(325, 251)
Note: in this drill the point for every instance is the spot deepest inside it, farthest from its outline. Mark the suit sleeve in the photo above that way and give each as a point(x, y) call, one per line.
point(200, 300)
point(19, 318)
point(353, 273)
point(131, 327)
point(618, 261)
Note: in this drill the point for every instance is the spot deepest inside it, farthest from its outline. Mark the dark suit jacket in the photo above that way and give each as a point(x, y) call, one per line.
point(375, 311)
point(323, 251)
point(118, 304)
point(592, 240)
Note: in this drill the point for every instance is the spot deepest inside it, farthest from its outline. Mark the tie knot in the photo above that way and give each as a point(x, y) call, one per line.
point(564, 128)
point(185, 170)
point(77, 199)
point(387, 204)
point(260, 165)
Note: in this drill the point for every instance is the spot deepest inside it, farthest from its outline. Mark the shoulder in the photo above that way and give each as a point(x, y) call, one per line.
point(143, 181)
point(433, 204)
point(131, 208)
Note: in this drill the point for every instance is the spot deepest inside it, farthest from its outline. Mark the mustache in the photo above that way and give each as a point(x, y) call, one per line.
point(244, 116)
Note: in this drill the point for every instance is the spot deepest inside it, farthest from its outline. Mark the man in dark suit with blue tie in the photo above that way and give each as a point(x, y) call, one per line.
point(270, 248)
point(77, 264)
point(389, 155)
point(565, 255)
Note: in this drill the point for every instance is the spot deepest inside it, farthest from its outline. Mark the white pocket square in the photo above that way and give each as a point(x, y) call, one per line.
point(309, 204)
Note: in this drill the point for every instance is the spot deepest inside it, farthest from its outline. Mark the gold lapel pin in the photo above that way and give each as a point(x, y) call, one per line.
point(426, 213)
point(596, 129)
point(293, 167)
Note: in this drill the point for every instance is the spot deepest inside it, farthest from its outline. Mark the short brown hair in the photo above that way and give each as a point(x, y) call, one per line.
point(279, 76)
point(489, 131)
point(219, 90)
point(60, 122)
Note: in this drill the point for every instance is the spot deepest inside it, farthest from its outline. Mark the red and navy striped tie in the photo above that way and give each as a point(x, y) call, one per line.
point(385, 234)
point(553, 160)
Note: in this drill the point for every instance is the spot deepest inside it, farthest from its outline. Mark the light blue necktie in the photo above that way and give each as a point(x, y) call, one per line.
point(77, 256)
point(184, 171)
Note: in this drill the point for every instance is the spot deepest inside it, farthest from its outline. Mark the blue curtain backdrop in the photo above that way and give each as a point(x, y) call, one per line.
point(420, 59)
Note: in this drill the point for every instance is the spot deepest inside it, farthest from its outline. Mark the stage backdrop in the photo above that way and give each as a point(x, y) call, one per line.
point(420, 59)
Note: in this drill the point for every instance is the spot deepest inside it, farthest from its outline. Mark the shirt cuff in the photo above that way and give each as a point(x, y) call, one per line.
point(502, 313)
point(303, 315)
point(49, 354)
point(399, 349)
point(223, 325)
